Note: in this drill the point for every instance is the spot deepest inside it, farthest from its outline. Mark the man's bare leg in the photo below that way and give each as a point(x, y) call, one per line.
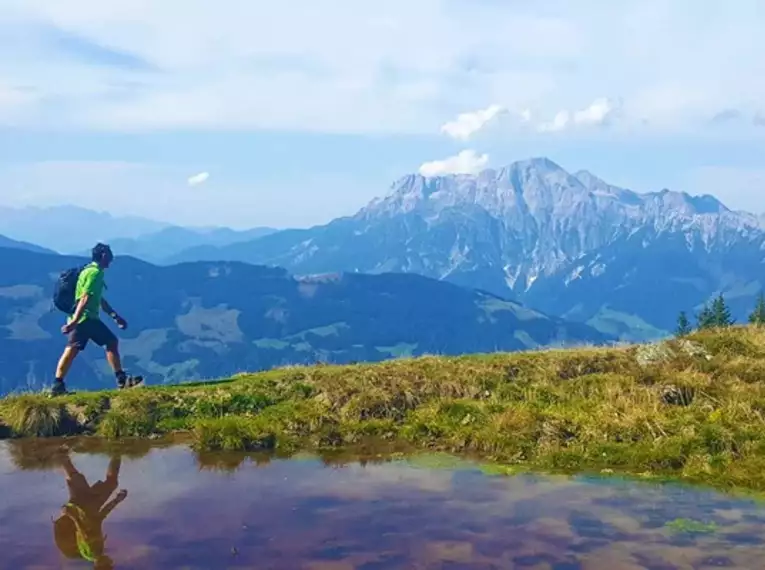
point(113, 357)
point(64, 364)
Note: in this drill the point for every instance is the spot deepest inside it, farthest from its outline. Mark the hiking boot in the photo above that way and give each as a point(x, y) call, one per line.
point(58, 389)
point(134, 381)
point(130, 382)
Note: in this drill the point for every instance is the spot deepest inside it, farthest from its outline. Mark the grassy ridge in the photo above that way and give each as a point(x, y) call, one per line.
point(691, 408)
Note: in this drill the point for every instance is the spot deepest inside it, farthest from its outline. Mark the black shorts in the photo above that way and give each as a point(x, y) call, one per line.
point(91, 329)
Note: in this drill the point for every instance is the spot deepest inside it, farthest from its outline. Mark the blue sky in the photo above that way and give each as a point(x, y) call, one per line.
point(302, 111)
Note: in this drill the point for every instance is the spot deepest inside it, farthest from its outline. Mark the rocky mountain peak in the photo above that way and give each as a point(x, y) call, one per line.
point(536, 184)
point(552, 215)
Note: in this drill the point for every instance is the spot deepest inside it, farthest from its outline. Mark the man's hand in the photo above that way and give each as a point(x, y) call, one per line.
point(69, 327)
point(109, 310)
point(121, 323)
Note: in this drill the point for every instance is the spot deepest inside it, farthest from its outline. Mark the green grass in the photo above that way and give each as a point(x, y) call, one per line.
point(689, 526)
point(697, 415)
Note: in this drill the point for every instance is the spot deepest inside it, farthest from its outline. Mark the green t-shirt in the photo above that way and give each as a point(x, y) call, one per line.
point(90, 282)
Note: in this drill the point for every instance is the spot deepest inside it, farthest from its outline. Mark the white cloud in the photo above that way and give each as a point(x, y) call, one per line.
point(467, 124)
point(466, 162)
point(198, 178)
point(598, 113)
point(560, 122)
point(287, 65)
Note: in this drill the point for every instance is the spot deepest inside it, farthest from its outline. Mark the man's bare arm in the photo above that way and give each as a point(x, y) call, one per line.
point(113, 314)
point(108, 309)
point(80, 308)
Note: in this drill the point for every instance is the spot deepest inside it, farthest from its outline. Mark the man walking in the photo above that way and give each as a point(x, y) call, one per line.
point(85, 323)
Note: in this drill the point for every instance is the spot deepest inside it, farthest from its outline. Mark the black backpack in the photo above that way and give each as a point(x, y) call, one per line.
point(63, 293)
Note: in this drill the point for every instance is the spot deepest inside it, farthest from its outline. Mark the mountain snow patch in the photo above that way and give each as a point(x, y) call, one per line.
point(575, 274)
point(598, 269)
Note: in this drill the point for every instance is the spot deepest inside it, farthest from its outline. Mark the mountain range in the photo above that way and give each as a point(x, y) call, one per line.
point(6, 242)
point(565, 244)
point(167, 243)
point(74, 230)
point(69, 229)
point(212, 319)
point(568, 244)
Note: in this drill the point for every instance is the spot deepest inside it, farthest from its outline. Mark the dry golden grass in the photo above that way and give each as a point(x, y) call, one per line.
point(690, 408)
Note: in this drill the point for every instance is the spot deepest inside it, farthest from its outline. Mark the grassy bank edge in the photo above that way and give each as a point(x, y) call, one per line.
point(689, 409)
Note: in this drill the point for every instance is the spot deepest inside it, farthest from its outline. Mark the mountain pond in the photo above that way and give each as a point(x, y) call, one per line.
point(78, 504)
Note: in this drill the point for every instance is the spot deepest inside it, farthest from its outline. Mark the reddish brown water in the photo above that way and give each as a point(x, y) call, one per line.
point(226, 511)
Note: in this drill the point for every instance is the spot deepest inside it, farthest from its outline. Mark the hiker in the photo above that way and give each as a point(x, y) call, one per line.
point(77, 531)
point(84, 323)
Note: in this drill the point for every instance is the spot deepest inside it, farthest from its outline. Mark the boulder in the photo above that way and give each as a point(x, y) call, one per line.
point(666, 351)
point(652, 354)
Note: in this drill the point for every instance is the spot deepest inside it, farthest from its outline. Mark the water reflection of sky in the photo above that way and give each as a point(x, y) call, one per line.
point(300, 513)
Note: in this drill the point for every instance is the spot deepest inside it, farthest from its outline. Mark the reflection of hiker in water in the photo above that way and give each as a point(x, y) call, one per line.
point(78, 531)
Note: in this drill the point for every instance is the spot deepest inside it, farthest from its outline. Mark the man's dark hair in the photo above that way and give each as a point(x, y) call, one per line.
point(100, 251)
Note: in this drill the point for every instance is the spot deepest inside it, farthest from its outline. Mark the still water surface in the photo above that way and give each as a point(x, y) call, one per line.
point(151, 506)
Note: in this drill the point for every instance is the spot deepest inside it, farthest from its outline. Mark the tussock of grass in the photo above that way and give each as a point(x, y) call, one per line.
point(691, 408)
point(233, 433)
point(32, 417)
point(129, 417)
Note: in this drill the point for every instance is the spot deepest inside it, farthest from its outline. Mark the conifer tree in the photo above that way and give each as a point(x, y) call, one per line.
point(705, 318)
point(683, 324)
point(757, 317)
point(721, 316)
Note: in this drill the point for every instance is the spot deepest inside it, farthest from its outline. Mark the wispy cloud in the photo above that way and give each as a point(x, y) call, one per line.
point(598, 113)
point(85, 50)
point(554, 56)
point(466, 162)
point(198, 179)
point(726, 116)
point(467, 124)
point(560, 122)
point(737, 116)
